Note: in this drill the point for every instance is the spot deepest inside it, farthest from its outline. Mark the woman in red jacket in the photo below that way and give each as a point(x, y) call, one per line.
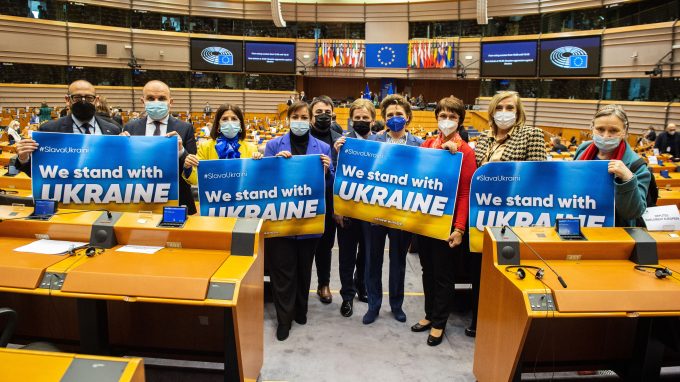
point(437, 256)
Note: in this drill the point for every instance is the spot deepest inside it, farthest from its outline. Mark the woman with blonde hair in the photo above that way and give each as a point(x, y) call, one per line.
point(509, 139)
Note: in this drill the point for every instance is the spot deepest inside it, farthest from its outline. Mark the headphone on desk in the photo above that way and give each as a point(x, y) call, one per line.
point(89, 251)
point(660, 273)
point(522, 274)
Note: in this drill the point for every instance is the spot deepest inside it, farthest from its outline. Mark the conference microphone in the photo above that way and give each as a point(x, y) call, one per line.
point(504, 253)
point(109, 215)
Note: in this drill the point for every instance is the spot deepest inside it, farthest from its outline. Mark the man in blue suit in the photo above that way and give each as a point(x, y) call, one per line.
point(80, 100)
point(158, 122)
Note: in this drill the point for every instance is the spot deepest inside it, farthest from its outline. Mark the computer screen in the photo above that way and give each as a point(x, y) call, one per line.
point(174, 214)
point(509, 59)
point(571, 57)
point(45, 207)
point(568, 227)
point(270, 57)
point(216, 55)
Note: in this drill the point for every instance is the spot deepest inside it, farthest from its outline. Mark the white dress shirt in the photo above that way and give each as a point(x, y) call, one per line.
point(78, 129)
point(151, 126)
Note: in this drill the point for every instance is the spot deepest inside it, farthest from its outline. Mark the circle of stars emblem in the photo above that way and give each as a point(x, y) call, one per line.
point(388, 58)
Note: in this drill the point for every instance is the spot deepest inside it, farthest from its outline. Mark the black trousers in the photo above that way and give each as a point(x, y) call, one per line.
point(322, 255)
point(437, 260)
point(290, 272)
point(475, 271)
point(351, 261)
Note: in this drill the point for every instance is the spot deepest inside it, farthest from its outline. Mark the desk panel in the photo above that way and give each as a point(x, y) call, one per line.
point(169, 273)
point(22, 269)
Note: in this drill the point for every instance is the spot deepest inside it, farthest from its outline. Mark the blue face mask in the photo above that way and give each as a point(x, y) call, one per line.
point(606, 145)
point(299, 128)
point(230, 129)
point(156, 110)
point(396, 124)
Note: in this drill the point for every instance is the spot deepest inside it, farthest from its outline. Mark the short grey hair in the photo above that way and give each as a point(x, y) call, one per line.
point(615, 110)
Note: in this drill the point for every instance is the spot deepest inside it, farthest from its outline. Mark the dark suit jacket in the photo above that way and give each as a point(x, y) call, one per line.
point(463, 134)
point(65, 125)
point(668, 144)
point(186, 133)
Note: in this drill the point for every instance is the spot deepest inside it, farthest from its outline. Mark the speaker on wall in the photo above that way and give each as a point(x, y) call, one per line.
point(101, 48)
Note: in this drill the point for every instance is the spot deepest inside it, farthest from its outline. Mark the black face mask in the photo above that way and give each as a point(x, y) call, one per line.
point(361, 127)
point(83, 111)
point(322, 122)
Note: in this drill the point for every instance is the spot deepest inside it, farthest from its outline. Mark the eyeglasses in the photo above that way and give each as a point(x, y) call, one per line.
point(79, 98)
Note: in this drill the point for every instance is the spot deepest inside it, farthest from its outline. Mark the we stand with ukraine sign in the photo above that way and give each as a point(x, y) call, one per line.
point(287, 193)
point(521, 194)
point(114, 172)
point(398, 186)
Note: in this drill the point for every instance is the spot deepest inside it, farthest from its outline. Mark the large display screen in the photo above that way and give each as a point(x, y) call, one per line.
point(509, 59)
point(572, 57)
point(270, 57)
point(216, 55)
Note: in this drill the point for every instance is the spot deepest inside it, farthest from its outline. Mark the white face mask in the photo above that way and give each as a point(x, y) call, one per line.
point(504, 119)
point(447, 126)
point(299, 128)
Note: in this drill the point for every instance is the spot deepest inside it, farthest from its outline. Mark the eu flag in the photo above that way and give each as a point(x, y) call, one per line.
point(386, 55)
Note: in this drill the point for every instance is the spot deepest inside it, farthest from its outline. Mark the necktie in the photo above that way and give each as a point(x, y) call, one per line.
point(158, 128)
point(86, 126)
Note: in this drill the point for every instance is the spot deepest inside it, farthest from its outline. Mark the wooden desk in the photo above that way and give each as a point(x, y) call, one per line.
point(668, 197)
point(671, 167)
point(562, 155)
point(37, 366)
point(20, 181)
point(6, 147)
point(5, 157)
point(609, 317)
point(200, 298)
point(674, 180)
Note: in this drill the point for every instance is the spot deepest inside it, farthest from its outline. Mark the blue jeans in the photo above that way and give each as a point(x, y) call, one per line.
point(399, 243)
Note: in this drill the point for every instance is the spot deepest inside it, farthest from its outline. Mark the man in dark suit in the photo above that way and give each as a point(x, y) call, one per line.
point(322, 119)
point(158, 122)
point(80, 100)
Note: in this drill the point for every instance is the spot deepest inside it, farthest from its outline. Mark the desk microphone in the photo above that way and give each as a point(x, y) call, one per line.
point(559, 278)
point(109, 215)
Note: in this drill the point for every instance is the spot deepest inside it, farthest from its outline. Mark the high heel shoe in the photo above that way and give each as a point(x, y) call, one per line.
point(420, 328)
point(434, 341)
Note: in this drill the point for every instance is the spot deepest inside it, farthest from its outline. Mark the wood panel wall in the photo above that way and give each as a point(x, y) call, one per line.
point(578, 114)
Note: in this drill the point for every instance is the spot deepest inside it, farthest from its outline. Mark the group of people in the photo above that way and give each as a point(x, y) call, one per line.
point(361, 244)
point(667, 142)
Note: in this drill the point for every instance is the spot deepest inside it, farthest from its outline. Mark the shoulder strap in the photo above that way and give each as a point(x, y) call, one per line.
point(635, 166)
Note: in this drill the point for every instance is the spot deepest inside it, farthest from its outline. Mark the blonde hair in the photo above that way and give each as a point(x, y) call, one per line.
point(615, 110)
point(362, 103)
point(519, 109)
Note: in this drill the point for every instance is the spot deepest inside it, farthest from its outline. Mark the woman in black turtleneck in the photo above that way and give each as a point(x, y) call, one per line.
point(289, 259)
point(322, 119)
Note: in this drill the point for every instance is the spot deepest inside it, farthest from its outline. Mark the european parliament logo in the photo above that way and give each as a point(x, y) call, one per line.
point(569, 57)
point(216, 55)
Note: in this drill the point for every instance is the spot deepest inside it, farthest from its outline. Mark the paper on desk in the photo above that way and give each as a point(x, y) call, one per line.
point(139, 249)
point(50, 247)
point(662, 218)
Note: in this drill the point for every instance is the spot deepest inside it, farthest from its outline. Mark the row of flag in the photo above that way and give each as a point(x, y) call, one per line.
point(431, 54)
point(340, 54)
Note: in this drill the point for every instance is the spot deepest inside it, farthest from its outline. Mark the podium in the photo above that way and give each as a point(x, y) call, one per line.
point(611, 316)
point(200, 297)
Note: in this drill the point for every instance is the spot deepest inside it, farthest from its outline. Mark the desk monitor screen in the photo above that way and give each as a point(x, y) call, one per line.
point(568, 228)
point(174, 215)
point(44, 208)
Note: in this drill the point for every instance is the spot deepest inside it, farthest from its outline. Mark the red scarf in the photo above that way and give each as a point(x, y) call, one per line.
point(591, 151)
point(439, 141)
